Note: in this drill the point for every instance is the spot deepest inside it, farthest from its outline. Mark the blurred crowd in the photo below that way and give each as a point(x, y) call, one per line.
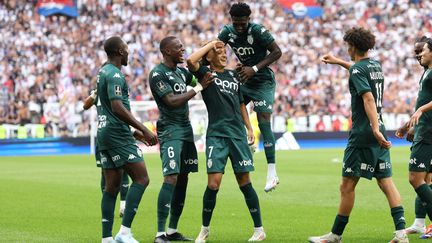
point(48, 65)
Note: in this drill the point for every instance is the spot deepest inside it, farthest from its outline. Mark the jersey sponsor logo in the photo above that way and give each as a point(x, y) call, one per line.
point(102, 121)
point(103, 158)
point(183, 77)
point(246, 163)
point(171, 78)
point(413, 161)
point(165, 170)
point(207, 210)
point(161, 86)
point(168, 205)
point(263, 30)
point(131, 157)
point(231, 40)
point(190, 161)
point(155, 74)
point(348, 170)
point(421, 165)
point(105, 220)
point(385, 165)
point(225, 84)
point(172, 164)
point(232, 35)
point(355, 71)
point(367, 167)
point(115, 157)
point(253, 210)
point(209, 163)
point(98, 162)
point(117, 75)
point(181, 88)
point(117, 90)
point(243, 51)
point(260, 103)
point(250, 39)
point(267, 144)
point(139, 152)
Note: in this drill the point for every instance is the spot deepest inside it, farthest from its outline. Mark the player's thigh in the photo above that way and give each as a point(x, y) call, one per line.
point(170, 153)
point(240, 156)
point(262, 98)
point(217, 151)
point(189, 158)
point(421, 157)
point(359, 162)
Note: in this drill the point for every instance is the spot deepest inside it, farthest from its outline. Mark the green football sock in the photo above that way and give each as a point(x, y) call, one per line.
point(177, 204)
point(209, 203)
point(269, 141)
point(339, 224)
point(420, 210)
point(253, 203)
point(107, 205)
point(425, 194)
point(124, 186)
point(398, 217)
point(133, 199)
point(102, 183)
point(164, 204)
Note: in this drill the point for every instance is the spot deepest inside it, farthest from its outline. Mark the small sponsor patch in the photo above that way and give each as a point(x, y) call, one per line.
point(117, 90)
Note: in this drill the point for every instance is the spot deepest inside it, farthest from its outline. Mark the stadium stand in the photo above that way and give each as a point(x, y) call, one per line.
point(48, 64)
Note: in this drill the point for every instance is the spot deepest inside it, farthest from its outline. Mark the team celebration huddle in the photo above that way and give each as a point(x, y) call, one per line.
point(181, 76)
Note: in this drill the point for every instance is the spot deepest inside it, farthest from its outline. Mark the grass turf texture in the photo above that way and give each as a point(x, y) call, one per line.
point(57, 199)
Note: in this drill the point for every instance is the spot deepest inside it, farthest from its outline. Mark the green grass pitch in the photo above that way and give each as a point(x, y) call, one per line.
point(57, 199)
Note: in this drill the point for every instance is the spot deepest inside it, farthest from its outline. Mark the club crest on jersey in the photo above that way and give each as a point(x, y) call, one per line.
point(250, 39)
point(172, 164)
point(117, 90)
point(161, 86)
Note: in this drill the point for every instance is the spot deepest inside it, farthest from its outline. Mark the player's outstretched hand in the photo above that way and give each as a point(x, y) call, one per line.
point(207, 80)
point(146, 137)
point(382, 141)
point(329, 58)
point(400, 133)
point(414, 120)
point(410, 135)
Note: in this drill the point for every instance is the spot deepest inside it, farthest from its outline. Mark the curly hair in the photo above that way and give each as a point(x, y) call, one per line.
point(361, 38)
point(240, 10)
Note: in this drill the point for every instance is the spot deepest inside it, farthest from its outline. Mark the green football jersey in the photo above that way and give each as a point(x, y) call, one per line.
point(111, 85)
point(173, 122)
point(223, 98)
point(365, 76)
point(423, 131)
point(250, 48)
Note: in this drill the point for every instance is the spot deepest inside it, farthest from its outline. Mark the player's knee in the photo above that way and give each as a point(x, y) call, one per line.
point(213, 185)
point(171, 179)
point(264, 116)
point(143, 180)
point(415, 180)
point(345, 189)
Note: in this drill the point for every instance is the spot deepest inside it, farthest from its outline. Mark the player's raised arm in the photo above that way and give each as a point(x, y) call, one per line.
point(193, 61)
point(329, 58)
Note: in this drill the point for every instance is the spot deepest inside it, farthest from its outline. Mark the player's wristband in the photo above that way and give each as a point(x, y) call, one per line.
point(198, 88)
point(93, 94)
point(255, 68)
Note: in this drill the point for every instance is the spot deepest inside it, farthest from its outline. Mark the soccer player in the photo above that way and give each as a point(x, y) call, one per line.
point(251, 42)
point(226, 135)
point(88, 103)
point(177, 148)
point(421, 120)
point(117, 147)
point(418, 227)
point(367, 153)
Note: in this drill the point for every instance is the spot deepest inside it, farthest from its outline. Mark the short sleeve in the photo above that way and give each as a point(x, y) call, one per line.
point(158, 85)
point(262, 35)
point(115, 83)
point(359, 80)
point(223, 34)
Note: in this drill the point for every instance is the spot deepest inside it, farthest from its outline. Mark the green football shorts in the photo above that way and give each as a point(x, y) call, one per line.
point(178, 156)
point(367, 162)
point(218, 149)
point(421, 157)
point(118, 157)
point(261, 97)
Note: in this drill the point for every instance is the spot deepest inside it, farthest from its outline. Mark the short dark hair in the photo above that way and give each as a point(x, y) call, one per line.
point(422, 39)
point(428, 42)
point(240, 10)
point(112, 45)
point(166, 41)
point(361, 38)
